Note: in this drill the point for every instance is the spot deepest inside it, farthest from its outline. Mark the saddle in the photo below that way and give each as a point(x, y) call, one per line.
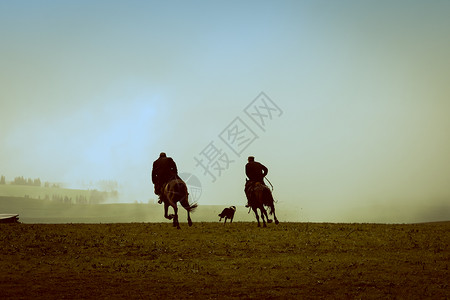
point(256, 184)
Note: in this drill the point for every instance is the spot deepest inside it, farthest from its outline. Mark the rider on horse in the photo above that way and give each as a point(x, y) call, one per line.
point(255, 172)
point(164, 170)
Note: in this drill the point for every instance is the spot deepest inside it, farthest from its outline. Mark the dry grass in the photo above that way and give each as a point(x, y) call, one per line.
point(213, 261)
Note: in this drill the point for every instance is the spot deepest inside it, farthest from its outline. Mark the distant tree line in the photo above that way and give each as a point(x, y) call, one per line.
point(20, 180)
point(95, 197)
point(53, 185)
point(108, 187)
point(23, 181)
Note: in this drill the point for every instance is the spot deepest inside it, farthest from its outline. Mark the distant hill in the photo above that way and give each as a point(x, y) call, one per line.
point(57, 194)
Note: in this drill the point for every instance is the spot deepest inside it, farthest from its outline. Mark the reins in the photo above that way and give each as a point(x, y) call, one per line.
point(269, 182)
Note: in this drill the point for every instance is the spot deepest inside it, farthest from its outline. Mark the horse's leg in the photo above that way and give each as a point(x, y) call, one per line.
point(256, 214)
point(271, 204)
point(166, 208)
point(175, 217)
point(267, 216)
point(263, 213)
point(189, 218)
point(176, 221)
point(185, 203)
point(274, 215)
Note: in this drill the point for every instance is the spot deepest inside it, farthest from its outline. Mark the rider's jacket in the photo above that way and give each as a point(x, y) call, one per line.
point(255, 171)
point(164, 168)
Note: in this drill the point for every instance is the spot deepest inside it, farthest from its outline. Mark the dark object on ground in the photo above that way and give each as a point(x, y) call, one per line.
point(9, 218)
point(228, 213)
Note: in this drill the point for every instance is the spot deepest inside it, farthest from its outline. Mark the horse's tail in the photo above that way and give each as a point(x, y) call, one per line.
point(189, 207)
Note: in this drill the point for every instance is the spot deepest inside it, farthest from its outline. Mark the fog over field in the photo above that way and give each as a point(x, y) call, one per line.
point(347, 103)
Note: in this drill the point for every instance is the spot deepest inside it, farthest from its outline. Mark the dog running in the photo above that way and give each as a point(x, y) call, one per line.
point(228, 213)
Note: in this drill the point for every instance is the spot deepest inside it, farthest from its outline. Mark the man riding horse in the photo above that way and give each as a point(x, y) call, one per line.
point(164, 170)
point(255, 172)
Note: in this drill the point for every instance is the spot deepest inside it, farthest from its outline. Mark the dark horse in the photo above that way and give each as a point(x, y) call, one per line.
point(176, 191)
point(260, 197)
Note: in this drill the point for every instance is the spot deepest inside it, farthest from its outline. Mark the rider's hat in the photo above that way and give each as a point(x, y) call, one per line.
point(251, 158)
point(162, 154)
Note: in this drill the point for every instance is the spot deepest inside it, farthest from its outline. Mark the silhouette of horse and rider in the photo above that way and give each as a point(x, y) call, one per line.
point(258, 193)
point(171, 189)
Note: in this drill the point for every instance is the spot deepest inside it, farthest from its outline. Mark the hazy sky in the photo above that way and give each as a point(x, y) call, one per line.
point(356, 121)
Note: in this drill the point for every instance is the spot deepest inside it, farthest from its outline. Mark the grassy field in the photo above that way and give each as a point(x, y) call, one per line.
point(216, 261)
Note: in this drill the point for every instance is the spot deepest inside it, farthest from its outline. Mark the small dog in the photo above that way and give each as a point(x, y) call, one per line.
point(228, 213)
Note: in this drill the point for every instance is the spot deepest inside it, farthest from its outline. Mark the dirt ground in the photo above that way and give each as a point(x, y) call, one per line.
point(216, 261)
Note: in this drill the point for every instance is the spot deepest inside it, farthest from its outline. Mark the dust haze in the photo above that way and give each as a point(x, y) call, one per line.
point(95, 91)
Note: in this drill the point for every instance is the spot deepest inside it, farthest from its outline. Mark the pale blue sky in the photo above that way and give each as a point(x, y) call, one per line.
point(94, 90)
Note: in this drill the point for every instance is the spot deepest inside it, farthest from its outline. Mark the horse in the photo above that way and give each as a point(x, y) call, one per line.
point(260, 197)
point(176, 191)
